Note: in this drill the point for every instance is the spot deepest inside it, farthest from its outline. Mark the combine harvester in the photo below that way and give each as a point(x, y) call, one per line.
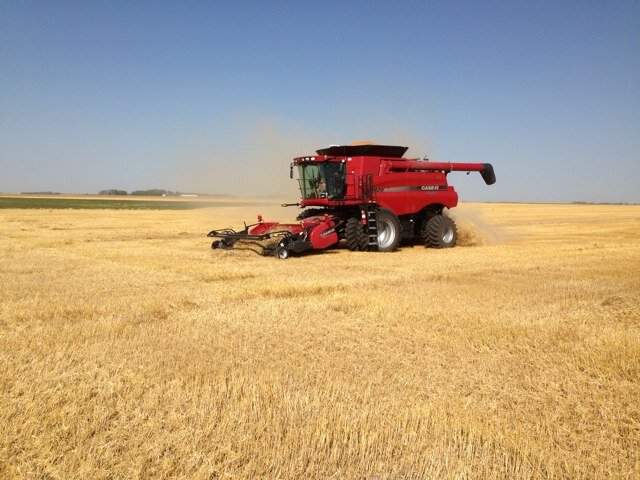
point(368, 195)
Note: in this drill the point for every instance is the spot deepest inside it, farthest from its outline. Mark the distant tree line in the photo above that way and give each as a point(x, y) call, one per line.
point(153, 192)
point(40, 193)
point(113, 191)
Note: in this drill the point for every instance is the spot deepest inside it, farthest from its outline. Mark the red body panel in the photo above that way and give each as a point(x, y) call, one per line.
point(323, 235)
point(403, 186)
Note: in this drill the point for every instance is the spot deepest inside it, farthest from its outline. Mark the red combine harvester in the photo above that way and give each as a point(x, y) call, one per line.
point(368, 195)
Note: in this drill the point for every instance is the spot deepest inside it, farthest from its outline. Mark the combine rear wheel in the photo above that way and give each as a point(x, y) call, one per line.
point(388, 230)
point(440, 232)
point(355, 235)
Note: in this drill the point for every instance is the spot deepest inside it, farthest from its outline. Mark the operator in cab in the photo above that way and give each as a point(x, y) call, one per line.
point(322, 188)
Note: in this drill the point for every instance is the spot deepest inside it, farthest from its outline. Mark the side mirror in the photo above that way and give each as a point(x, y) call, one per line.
point(291, 171)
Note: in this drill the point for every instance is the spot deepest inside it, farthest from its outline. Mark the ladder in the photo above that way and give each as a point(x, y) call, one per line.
point(372, 227)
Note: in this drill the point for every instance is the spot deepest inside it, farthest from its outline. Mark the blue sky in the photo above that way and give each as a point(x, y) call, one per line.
point(218, 96)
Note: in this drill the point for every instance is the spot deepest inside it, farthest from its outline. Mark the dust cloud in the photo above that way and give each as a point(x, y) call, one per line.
point(248, 154)
point(474, 229)
point(248, 157)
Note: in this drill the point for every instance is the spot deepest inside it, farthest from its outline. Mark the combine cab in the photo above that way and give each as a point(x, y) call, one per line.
point(368, 195)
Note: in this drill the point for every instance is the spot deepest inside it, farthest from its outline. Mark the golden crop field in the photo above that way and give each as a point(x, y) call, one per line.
point(130, 349)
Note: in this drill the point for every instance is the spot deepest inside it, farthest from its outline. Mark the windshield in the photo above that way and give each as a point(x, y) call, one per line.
point(322, 180)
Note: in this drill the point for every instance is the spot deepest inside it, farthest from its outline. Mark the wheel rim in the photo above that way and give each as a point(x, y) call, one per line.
point(386, 233)
point(447, 235)
point(283, 254)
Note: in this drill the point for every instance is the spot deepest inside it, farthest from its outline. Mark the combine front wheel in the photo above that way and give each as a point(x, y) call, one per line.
point(440, 232)
point(355, 235)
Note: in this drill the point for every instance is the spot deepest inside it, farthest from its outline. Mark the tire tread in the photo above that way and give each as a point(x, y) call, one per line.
point(355, 235)
point(310, 212)
point(432, 232)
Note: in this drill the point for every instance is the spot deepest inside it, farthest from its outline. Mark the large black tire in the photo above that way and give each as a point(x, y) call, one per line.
point(310, 212)
point(389, 230)
point(355, 235)
point(440, 232)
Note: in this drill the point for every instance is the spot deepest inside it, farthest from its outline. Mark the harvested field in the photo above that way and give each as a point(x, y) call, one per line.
point(130, 349)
